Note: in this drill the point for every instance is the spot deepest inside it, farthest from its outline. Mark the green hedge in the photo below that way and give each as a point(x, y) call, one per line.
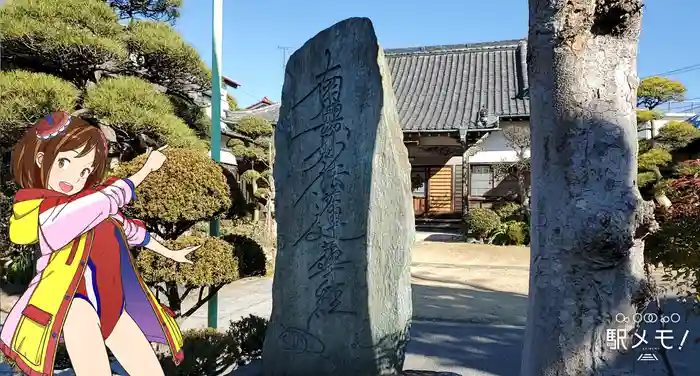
point(481, 222)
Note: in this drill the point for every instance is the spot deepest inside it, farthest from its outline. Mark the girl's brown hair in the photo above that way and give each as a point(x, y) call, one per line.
point(78, 134)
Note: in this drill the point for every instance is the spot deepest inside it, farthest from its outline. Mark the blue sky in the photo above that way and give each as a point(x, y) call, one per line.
point(253, 31)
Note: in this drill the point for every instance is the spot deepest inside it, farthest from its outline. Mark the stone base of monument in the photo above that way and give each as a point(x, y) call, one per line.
point(255, 369)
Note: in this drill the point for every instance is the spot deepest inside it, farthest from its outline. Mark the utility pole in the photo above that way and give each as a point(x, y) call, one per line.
point(216, 51)
point(284, 56)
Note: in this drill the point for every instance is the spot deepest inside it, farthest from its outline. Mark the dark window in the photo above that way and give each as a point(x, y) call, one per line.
point(418, 183)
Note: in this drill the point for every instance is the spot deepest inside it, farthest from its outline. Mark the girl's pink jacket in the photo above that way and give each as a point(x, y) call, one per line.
point(63, 226)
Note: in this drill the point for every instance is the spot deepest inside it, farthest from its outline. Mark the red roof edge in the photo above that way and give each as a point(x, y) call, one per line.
point(230, 82)
point(265, 101)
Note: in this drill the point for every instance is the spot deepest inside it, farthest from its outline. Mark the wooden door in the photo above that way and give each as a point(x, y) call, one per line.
point(440, 193)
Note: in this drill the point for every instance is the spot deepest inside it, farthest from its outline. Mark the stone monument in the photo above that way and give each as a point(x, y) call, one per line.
point(341, 302)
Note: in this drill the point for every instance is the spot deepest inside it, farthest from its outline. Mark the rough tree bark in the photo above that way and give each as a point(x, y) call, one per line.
point(588, 219)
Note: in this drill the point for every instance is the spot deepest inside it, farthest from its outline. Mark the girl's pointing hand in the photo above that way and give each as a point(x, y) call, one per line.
point(155, 159)
point(181, 255)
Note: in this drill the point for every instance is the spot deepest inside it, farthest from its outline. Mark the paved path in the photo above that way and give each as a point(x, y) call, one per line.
point(469, 307)
point(451, 282)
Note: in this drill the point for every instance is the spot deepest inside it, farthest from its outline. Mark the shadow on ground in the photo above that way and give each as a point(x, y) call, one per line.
point(450, 300)
point(494, 346)
point(468, 329)
point(445, 238)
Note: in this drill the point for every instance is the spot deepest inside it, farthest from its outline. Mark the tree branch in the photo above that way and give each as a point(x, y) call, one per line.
point(241, 137)
point(187, 292)
point(160, 289)
point(200, 303)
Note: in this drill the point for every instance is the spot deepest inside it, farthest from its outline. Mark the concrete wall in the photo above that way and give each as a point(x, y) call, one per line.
point(226, 156)
point(224, 104)
point(649, 130)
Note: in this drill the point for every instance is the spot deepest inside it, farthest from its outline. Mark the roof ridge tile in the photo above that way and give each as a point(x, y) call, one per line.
point(454, 48)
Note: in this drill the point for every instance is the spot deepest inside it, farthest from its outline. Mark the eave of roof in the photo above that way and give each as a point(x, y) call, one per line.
point(265, 101)
point(230, 82)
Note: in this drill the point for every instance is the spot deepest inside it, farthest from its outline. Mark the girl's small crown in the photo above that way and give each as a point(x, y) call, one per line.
point(52, 125)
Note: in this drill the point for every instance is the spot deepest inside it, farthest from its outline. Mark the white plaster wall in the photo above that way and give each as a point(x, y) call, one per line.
point(224, 105)
point(226, 156)
point(658, 124)
point(495, 149)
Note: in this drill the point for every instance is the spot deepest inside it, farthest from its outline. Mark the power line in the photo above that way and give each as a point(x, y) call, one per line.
point(687, 108)
point(686, 69)
point(682, 104)
point(247, 93)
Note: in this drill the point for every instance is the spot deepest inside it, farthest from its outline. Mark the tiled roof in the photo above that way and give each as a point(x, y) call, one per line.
point(444, 87)
point(695, 120)
point(270, 113)
point(261, 103)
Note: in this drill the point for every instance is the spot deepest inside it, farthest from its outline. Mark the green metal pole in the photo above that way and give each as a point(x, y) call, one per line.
point(217, 35)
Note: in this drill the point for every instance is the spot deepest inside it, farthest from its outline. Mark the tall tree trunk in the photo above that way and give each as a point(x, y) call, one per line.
point(587, 214)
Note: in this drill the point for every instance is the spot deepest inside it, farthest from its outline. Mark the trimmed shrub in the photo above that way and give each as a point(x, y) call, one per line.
point(644, 116)
point(643, 146)
point(251, 257)
point(134, 106)
point(189, 188)
point(194, 115)
point(16, 261)
point(645, 178)
point(481, 222)
point(507, 210)
point(212, 264)
point(206, 351)
point(161, 10)
point(209, 352)
point(253, 128)
point(62, 359)
point(678, 134)
point(518, 233)
point(68, 37)
point(653, 159)
point(26, 97)
point(166, 58)
point(247, 229)
point(249, 334)
point(510, 233)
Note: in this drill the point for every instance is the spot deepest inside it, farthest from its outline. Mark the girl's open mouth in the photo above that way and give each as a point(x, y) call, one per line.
point(65, 187)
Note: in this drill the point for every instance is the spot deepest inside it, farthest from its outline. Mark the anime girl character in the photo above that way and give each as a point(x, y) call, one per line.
point(86, 291)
